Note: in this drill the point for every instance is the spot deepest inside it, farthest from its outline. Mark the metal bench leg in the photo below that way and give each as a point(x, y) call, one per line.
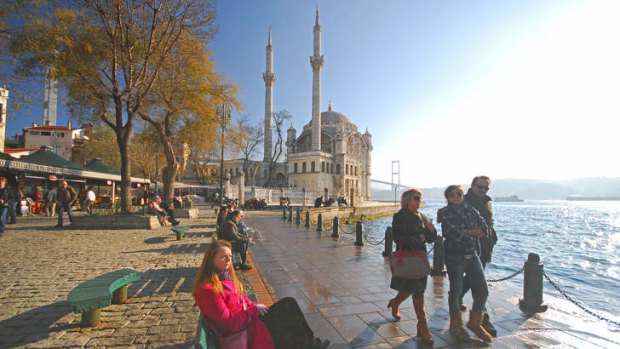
point(179, 235)
point(91, 318)
point(120, 295)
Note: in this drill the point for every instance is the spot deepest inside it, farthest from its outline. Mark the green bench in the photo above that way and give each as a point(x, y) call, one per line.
point(205, 338)
point(181, 231)
point(91, 295)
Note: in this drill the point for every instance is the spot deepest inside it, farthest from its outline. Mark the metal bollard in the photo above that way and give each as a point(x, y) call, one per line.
point(298, 216)
point(438, 257)
point(283, 213)
point(319, 223)
point(388, 242)
point(290, 214)
point(359, 239)
point(335, 228)
point(307, 219)
point(532, 301)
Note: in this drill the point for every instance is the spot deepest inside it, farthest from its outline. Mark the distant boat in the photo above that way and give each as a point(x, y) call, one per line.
point(592, 198)
point(511, 198)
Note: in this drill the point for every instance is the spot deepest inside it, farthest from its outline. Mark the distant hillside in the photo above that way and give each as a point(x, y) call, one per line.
point(531, 189)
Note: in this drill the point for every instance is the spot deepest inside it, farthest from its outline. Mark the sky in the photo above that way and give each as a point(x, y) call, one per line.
point(451, 89)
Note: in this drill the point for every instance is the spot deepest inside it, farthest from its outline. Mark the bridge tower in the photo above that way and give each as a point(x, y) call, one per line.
point(396, 175)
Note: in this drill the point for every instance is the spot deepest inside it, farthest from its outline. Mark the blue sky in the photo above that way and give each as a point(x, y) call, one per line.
point(452, 89)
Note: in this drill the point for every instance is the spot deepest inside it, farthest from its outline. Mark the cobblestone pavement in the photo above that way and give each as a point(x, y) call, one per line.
point(41, 264)
point(344, 290)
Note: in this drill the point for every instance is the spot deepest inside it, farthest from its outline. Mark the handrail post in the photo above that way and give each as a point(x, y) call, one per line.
point(298, 216)
point(335, 228)
point(438, 257)
point(532, 301)
point(307, 225)
point(319, 223)
point(290, 214)
point(359, 228)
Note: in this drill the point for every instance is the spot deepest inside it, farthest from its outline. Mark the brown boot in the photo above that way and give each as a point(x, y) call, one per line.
point(475, 324)
point(456, 328)
point(423, 332)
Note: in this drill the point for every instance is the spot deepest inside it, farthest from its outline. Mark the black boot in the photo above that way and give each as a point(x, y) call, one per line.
point(486, 323)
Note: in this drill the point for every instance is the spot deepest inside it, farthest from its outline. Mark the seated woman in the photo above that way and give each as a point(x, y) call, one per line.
point(229, 231)
point(163, 215)
point(219, 295)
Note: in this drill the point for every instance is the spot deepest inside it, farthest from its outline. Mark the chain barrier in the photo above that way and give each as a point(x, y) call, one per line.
point(344, 231)
point(615, 323)
point(372, 242)
point(507, 277)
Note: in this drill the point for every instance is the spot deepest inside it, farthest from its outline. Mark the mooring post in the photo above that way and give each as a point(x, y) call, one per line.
point(319, 223)
point(307, 225)
point(290, 214)
point(284, 213)
point(298, 216)
point(335, 228)
point(532, 301)
point(359, 239)
point(438, 257)
point(387, 251)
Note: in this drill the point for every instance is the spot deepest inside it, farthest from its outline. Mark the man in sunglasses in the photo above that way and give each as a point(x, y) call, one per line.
point(477, 197)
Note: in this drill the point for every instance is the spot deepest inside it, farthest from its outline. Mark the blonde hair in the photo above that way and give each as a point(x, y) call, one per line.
point(408, 196)
point(207, 273)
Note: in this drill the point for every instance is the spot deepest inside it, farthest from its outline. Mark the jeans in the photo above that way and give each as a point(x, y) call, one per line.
point(458, 267)
point(4, 210)
point(13, 212)
point(62, 207)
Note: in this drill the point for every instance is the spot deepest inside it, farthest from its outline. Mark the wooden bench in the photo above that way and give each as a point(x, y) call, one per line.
point(205, 338)
point(180, 231)
point(91, 295)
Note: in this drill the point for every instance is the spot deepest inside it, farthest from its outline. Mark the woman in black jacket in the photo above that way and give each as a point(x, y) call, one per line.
point(412, 231)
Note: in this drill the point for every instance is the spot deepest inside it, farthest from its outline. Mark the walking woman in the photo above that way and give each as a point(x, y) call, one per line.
point(412, 231)
point(219, 295)
point(462, 227)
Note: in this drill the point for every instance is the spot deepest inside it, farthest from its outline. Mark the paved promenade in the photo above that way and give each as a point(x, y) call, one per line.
point(342, 288)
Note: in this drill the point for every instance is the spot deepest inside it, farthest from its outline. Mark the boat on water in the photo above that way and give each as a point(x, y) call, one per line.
point(511, 198)
point(592, 198)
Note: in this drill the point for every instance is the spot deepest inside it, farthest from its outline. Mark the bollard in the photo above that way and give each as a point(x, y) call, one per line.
point(359, 239)
point(298, 216)
point(388, 242)
point(319, 223)
point(532, 301)
point(307, 219)
point(283, 213)
point(290, 214)
point(335, 228)
point(438, 258)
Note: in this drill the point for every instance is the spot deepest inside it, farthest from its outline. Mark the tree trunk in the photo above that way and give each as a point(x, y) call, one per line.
point(123, 138)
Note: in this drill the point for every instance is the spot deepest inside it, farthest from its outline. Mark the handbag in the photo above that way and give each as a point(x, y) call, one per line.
point(237, 340)
point(408, 264)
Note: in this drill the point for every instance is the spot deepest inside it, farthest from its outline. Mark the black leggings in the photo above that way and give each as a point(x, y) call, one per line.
point(288, 326)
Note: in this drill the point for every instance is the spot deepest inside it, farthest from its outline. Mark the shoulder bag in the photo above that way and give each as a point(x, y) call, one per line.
point(409, 264)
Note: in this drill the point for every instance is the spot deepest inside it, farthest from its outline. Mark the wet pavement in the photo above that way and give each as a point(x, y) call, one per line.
point(343, 290)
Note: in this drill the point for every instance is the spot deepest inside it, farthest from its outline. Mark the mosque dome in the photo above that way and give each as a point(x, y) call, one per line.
point(334, 117)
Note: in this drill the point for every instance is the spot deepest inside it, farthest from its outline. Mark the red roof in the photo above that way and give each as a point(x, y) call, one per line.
point(50, 128)
point(19, 150)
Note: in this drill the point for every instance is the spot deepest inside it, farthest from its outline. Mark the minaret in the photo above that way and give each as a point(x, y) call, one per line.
point(50, 100)
point(4, 97)
point(269, 78)
point(316, 61)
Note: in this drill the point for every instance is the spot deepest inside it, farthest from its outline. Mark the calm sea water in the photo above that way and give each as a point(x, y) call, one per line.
point(578, 243)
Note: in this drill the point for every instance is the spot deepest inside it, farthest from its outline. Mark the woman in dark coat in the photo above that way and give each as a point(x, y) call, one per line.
point(412, 231)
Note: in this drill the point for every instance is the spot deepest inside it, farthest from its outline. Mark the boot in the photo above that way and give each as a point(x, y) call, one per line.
point(456, 328)
point(423, 332)
point(487, 325)
point(395, 311)
point(475, 324)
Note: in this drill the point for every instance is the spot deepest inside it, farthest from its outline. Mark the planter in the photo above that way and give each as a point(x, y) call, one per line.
point(186, 213)
point(115, 221)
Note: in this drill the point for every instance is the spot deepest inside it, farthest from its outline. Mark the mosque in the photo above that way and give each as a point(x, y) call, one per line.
point(330, 156)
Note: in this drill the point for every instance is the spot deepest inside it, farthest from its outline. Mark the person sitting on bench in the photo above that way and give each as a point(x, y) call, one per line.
point(163, 214)
point(239, 242)
point(228, 311)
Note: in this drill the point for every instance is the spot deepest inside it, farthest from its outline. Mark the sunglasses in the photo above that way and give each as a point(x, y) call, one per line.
point(458, 194)
point(482, 187)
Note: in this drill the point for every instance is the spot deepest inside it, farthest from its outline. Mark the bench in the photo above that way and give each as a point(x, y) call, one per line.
point(180, 231)
point(91, 295)
point(205, 338)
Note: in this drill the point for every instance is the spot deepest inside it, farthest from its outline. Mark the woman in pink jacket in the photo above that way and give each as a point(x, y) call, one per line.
point(219, 295)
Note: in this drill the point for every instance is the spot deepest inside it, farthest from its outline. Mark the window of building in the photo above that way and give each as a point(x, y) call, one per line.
point(294, 168)
point(322, 166)
point(346, 169)
point(303, 167)
point(337, 168)
point(312, 167)
point(356, 170)
point(45, 133)
point(265, 172)
point(34, 133)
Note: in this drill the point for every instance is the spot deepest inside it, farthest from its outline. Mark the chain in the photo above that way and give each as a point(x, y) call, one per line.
point(507, 277)
point(615, 323)
point(373, 243)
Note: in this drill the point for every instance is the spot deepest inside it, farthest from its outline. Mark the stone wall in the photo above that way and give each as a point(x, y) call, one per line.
point(115, 221)
point(328, 213)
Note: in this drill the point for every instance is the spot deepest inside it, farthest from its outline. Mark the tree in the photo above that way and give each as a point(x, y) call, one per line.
point(109, 54)
point(184, 99)
point(244, 141)
point(279, 119)
point(99, 147)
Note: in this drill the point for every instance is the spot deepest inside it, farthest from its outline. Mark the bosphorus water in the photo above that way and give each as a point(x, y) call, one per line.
point(578, 243)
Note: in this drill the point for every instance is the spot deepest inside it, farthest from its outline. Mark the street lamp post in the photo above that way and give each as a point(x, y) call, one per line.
point(224, 112)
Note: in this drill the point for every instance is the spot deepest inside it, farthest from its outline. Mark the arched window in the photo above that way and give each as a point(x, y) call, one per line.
point(337, 168)
point(294, 168)
point(303, 167)
point(312, 167)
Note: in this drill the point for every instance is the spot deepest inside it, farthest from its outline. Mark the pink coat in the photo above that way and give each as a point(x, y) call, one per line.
point(225, 312)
